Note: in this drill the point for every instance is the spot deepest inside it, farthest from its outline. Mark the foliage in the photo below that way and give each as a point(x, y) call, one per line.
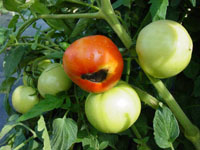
point(59, 122)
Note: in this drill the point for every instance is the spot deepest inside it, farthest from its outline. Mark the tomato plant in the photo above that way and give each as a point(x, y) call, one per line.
point(153, 46)
point(94, 63)
point(164, 48)
point(24, 98)
point(53, 80)
point(114, 110)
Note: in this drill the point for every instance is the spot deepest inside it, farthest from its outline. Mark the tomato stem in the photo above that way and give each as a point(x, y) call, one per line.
point(147, 98)
point(96, 15)
point(39, 45)
point(109, 15)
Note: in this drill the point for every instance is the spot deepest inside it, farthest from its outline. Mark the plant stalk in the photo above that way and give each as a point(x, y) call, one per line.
point(96, 15)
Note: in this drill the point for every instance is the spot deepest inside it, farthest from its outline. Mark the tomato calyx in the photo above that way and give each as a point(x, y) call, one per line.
point(98, 76)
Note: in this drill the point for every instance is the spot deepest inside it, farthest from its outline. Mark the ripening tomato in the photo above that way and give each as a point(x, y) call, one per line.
point(53, 80)
point(164, 48)
point(24, 98)
point(115, 110)
point(94, 63)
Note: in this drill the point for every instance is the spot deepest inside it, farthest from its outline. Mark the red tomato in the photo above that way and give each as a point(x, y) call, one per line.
point(94, 63)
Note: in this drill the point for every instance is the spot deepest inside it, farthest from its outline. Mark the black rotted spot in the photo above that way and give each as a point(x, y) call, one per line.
point(98, 76)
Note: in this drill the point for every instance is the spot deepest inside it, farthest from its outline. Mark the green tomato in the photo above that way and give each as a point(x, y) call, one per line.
point(24, 98)
point(164, 48)
point(53, 80)
point(114, 110)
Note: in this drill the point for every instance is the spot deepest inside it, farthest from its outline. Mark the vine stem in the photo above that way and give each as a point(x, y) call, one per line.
point(191, 132)
point(96, 15)
point(39, 45)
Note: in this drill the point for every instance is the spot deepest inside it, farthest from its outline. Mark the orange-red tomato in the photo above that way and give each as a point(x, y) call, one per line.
point(94, 63)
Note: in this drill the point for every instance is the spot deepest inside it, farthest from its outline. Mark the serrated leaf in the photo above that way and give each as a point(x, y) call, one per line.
point(196, 91)
point(49, 103)
point(45, 135)
point(192, 70)
point(158, 9)
point(64, 133)
point(166, 128)
point(13, 59)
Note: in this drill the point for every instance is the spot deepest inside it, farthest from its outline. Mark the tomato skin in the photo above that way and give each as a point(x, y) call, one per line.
point(164, 48)
point(89, 55)
point(24, 98)
point(114, 110)
point(53, 80)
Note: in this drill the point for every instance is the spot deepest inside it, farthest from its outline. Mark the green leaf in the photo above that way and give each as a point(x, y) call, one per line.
point(7, 147)
point(6, 129)
point(13, 59)
point(12, 5)
point(193, 2)
point(58, 54)
point(3, 35)
point(80, 27)
point(36, 37)
point(103, 145)
point(166, 128)
point(192, 70)
point(39, 7)
point(57, 24)
point(196, 91)
point(49, 103)
point(67, 104)
point(45, 135)
point(13, 21)
point(158, 9)
point(64, 133)
point(142, 125)
point(20, 138)
point(111, 139)
point(7, 84)
point(119, 3)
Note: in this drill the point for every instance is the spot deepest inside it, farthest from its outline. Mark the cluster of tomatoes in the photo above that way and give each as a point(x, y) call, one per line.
point(95, 64)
